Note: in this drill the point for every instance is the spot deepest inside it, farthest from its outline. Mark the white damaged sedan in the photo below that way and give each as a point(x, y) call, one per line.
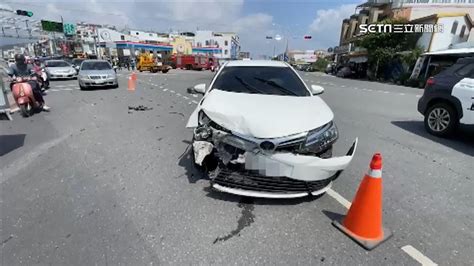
point(259, 131)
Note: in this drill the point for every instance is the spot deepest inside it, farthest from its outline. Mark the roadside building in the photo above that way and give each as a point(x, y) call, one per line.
point(370, 12)
point(456, 31)
point(227, 41)
point(415, 9)
point(150, 37)
point(302, 57)
point(86, 35)
point(244, 55)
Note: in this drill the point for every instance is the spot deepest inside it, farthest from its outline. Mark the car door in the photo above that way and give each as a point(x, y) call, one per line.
point(464, 91)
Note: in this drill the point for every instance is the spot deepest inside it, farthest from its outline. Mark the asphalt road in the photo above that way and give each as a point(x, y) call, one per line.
point(94, 183)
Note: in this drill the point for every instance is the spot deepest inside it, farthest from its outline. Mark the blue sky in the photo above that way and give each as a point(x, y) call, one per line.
point(251, 19)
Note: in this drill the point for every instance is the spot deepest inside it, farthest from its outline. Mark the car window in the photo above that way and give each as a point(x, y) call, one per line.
point(465, 70)
point(95, 66)
point(77, 61)
point(260, 80)
point(56, 64)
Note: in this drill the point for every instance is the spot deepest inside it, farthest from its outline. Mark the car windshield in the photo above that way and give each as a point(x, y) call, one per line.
point(77, 61)
point(95, 66)
point(260, 80)
point(56, 64)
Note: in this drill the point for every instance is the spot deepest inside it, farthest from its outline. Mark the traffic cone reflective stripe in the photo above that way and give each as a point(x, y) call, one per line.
point(363, 222)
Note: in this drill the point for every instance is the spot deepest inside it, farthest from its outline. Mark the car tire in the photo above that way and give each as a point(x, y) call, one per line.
point(115, 86)
point(441, 119)
point(83, 88)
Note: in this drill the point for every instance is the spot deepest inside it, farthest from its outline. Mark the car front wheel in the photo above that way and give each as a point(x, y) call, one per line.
point(441, 119)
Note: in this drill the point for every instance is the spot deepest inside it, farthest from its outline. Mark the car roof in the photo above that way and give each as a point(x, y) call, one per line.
point(56, 60)
point(260, 63)
point(95, 60)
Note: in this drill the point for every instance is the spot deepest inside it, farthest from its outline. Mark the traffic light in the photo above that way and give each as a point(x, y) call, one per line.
point(24, 13)
point(307, 37)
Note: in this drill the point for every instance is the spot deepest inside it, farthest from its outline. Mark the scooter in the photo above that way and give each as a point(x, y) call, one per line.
point(42, 78)
point(23, 95)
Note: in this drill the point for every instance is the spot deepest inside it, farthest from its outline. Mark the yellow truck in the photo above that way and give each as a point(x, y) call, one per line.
point(148, 62)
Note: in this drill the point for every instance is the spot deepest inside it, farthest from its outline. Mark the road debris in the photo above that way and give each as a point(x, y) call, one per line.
point(140, 108)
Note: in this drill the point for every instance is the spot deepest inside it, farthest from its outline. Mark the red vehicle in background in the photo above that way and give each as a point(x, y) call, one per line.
point(193, 62)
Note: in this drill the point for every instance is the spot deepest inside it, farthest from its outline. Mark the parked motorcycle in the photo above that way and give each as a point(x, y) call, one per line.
point(23, 95)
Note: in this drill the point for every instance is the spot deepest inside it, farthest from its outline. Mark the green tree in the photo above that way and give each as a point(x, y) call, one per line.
point(383, 47)
point(320, 64)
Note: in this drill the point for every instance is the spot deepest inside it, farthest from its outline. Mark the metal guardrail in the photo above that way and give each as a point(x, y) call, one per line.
point(4, 104)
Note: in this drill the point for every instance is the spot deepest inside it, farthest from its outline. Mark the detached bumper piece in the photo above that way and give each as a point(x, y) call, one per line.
point(247, 183)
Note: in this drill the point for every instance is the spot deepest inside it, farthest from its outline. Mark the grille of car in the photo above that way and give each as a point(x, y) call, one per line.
point(98, 76)
point(249, 180)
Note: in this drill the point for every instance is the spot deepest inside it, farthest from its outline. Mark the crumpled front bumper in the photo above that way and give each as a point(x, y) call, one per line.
point(300, 167)
point(282, 175)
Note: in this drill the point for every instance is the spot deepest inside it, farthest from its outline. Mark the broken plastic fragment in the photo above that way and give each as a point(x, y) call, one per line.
point(201, 150)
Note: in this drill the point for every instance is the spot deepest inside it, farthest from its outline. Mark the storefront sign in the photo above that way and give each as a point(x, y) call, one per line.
point(342, 49)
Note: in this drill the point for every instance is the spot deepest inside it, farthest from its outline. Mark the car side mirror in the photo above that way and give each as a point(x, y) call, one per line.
point(200, 88)
point(316, 89)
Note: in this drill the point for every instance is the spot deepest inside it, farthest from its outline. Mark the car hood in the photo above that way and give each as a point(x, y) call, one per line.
point(59, 69)
point(96, 72)
point(263, 116)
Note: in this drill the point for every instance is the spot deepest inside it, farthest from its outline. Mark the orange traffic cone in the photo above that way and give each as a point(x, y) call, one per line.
point(131, 84)
point(134, 76)
point(363, 222)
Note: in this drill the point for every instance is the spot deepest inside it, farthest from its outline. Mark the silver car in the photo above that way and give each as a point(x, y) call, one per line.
point(96, 73)
point(59, 69)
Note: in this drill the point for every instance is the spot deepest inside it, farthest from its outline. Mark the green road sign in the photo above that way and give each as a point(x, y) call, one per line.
point(52, 26)
point(69, 29)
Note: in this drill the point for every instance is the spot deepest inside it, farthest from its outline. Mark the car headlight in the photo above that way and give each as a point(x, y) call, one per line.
point(321, 138)
point(203, 119)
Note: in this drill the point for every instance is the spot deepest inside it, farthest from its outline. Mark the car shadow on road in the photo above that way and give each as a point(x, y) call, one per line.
point(9, 143)
point(461, 141)
point(186, 162)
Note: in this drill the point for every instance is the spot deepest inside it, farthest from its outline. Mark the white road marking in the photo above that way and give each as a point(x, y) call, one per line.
point(339, 198)
point(417, 255)
point(385, 92)
point(190, 103)
point(195, 96)
point(172, 91)
point(195, 102)
point(67, 89)
point(355, 88)
point(343, 86)
point(161, 87)
point(418, 96)
point(165, 89)
point(185, 97)
point(179, 94)
point(54, 90)
point(401, 93)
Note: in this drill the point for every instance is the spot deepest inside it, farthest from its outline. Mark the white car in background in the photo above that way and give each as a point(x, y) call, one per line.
point(59, 69)
point(259, 131)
